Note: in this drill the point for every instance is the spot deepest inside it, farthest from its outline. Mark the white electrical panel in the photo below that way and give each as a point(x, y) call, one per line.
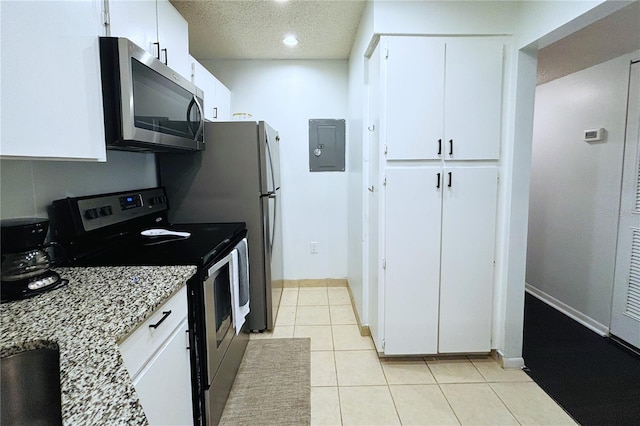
point(594, 135)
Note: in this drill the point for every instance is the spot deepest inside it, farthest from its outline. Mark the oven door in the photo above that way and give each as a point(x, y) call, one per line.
point(217, 314)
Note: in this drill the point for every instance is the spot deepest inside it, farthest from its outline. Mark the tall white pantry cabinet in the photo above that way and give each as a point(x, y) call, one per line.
point(440, 105)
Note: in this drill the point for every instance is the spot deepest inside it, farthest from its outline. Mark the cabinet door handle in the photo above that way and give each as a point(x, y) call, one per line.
point(165, 315)
point(450, 146)
point(215, 112)
point(157, 44)
point(166, 58)
point(449, 185)
point(439, 146)
point(438, 184)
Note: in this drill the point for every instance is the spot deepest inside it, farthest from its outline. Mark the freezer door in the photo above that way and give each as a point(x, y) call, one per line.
point(269, 149)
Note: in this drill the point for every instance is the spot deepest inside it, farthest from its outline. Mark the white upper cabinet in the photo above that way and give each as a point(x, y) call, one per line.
point(135, 20)
point(156, 26)
point(473, 99)
point(51, 89)
point(173, 36)
point(442, 97)
point(217, 98)
point(222, 103)
point(413, 97)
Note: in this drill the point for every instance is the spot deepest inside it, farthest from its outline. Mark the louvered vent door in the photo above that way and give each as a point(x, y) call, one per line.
point(633, 291)
point(625, 314)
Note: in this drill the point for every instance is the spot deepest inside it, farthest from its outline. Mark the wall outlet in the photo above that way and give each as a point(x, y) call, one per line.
point(313, 247)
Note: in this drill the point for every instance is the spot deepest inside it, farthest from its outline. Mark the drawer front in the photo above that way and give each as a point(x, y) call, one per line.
point(141, 345)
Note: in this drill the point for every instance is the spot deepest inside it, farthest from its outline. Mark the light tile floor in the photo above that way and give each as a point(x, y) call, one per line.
point(351, 385)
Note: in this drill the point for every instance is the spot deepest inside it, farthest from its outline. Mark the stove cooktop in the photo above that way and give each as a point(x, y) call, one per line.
point(105, 230)
point(205, 244)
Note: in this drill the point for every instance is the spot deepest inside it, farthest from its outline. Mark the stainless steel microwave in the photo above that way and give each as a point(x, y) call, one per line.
point(147, 105)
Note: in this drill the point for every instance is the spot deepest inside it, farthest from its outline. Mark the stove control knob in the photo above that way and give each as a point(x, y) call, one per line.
point(106, 211)
point(91, 214)
point(156, 200)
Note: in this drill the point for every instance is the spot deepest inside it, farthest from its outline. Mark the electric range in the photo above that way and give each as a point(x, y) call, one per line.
point(107, 230)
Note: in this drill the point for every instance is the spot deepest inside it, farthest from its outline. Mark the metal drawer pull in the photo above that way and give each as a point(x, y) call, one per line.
point(165, 314)
point(450, 146)
point(438, 184)
point(439, 146)
point(449, 180)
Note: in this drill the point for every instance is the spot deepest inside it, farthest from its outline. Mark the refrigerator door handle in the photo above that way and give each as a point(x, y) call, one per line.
point(275, 221)
point(273, 178)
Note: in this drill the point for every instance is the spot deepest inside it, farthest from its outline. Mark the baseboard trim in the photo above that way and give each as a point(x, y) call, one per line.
point(509, 363)
point(364, 329)
point(572, 313)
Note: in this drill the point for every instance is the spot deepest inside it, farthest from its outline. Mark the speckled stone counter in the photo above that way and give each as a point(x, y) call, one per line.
point(86, 319)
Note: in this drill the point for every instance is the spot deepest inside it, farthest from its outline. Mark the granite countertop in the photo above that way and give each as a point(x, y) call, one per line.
point(86, 319)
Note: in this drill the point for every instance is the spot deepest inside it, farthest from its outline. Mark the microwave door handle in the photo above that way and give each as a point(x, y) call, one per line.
point(194, 101)
point(191, 104)
point(201, 115)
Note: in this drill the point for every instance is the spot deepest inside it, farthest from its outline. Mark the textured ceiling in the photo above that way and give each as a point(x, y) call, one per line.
point(608, 38)
point(254, 29)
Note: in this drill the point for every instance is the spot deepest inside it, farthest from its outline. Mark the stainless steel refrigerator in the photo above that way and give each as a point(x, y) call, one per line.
point(236, 178)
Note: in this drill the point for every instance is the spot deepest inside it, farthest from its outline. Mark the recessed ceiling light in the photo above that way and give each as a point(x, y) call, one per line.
point(290, 40)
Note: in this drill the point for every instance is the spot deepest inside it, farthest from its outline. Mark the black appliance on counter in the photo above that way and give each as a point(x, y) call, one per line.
point(26, 263)
point(106, 230)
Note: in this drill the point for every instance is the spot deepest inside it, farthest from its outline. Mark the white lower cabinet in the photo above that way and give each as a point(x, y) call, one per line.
point(439, 258)
point(156, 355)
point(412, 258)
point(164, 386)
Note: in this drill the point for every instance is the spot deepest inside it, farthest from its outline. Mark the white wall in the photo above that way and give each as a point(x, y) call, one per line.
point(27, 187)
point(444, 17)
point(575, 187)
point(287, 94)
point(538, 24)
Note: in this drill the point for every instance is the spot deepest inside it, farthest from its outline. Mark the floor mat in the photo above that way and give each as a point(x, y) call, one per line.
point(273, 385)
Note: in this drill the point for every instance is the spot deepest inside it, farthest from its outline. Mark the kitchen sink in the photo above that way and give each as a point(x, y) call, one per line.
point(30, 388)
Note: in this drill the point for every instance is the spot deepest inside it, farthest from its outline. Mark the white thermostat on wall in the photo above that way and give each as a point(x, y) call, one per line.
point(594, 135)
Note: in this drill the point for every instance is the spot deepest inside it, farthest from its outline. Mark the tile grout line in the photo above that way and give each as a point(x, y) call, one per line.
point(505, 404)
point(448, 402)
point(443, 393)
point(393, 400)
